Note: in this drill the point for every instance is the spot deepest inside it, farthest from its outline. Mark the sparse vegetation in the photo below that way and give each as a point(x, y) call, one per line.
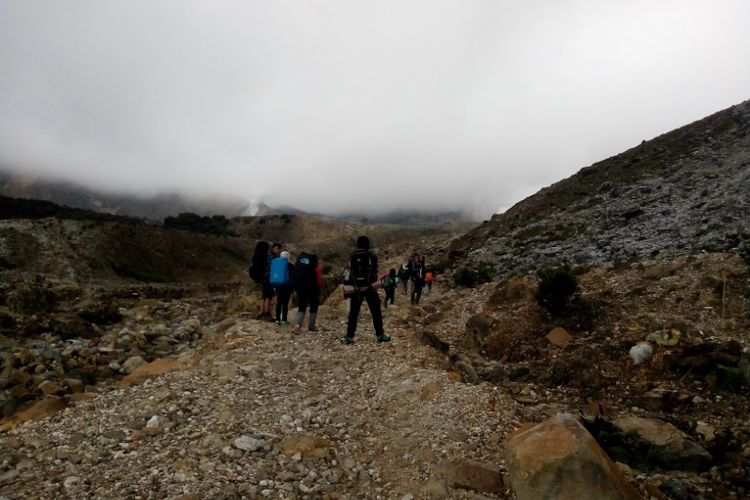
point(470, 277)
point(216, 224)
point(557, 287)
point(17, 208)
point(140, 275)
point(627, 447)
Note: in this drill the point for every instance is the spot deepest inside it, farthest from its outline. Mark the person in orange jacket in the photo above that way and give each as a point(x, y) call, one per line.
point(429, 278)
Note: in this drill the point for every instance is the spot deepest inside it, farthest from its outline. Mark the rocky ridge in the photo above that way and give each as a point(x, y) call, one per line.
point(683, 192)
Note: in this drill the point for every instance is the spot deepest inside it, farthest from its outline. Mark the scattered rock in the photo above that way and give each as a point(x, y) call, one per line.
point(132, 363)
point(478, 327)
point(282, 364)
point(249, 443)
point(49, 387)
point(559, 336)
point(150, 370)
point(640, 352)
point(307, 446)
point(40, 410)
point(473, 475)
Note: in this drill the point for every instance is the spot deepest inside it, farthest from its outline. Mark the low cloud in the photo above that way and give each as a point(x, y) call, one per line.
point(355, 106)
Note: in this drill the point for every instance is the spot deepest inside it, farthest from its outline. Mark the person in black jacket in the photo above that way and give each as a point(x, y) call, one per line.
point(389, 285)
point(417, 272)
point(364, 279)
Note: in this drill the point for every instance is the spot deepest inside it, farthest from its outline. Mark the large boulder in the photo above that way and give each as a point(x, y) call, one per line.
point(559, 459)
point(680, 451)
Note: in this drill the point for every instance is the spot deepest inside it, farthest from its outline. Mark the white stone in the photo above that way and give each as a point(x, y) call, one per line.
point(71, 482)
point(248, 443)
point(641, 352)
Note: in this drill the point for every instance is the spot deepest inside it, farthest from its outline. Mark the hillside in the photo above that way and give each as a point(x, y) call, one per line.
point(680, 193)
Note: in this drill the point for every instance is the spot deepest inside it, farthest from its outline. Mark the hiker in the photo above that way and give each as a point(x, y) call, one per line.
point(364, 278)
point(259, 270)
point(389, 285)
point(280, 279)
point(403, 277)
point(417, 278)
point(429, 278)
point(307, 280)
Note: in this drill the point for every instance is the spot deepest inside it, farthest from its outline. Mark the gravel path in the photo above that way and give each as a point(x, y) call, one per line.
point(268, 414)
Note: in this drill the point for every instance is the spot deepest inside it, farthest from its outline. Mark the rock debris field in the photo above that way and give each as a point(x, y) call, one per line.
point(264, 413)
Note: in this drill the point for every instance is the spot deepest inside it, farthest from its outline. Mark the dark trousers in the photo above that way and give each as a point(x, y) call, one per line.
point(283, 294)
point(308, 298)
point(416, 293)
point(390, 295)
point(373, 302)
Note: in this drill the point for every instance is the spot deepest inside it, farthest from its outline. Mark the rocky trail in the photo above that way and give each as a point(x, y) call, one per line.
point(234, 407)
point(262, 412)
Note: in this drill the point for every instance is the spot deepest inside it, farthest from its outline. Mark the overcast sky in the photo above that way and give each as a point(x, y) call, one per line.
point(356, 106)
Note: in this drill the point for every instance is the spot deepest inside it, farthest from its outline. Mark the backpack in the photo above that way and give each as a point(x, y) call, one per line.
point(279, 274)
point(259, 264)
point(303, 276)
point(362, 269)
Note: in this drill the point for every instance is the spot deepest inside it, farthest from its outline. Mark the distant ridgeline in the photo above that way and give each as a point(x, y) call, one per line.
point(20, 208)
point(216, 224)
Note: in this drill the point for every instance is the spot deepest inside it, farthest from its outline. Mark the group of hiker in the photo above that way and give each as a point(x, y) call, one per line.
point(278, 277)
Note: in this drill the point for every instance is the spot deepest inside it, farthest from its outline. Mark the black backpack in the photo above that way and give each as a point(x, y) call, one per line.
point(362, 269)
point(259, 264)
point(303, 277)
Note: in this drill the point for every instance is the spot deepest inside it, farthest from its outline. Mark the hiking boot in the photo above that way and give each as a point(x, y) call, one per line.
point(347, 340)
point(312, 329)
point(383, 338)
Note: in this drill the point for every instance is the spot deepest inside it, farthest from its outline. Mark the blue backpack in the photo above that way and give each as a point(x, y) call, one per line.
point(279, 275)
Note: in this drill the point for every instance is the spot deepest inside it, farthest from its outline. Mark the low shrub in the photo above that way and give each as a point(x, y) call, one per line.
point(470, 277)
point(557, 287)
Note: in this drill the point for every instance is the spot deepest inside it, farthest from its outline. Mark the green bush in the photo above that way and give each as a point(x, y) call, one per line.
point(186, 221)
point(557, 286)
point(470, 277)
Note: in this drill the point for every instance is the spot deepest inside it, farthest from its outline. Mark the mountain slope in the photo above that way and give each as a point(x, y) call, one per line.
point(682, 192)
